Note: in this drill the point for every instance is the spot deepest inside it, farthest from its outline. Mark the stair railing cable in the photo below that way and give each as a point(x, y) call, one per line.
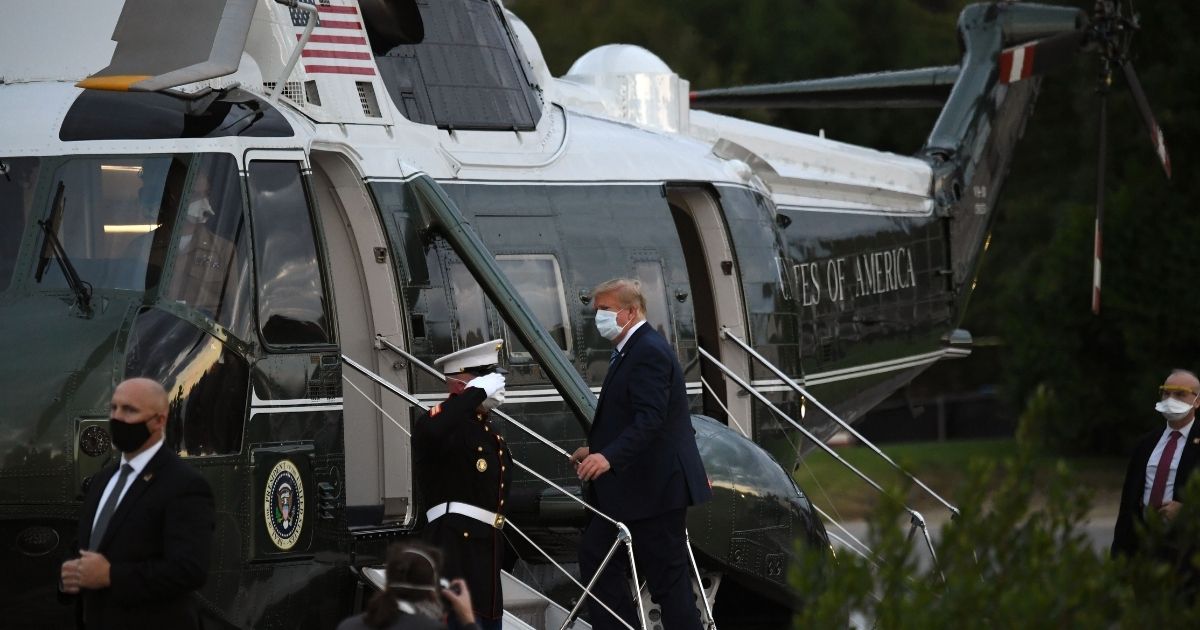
point(915, 519)
point(431, 370)
point(436, 373)
point(624, 537)
point(799, 389)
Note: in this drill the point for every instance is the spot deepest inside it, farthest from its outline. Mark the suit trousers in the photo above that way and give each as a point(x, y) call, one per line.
point(660, 551)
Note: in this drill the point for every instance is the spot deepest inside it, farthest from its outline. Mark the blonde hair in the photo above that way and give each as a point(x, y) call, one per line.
point(628, 292)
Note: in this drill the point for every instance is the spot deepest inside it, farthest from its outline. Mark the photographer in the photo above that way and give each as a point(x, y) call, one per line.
point(414, 597)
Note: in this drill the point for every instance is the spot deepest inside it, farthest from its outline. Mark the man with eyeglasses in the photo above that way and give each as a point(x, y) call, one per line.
point(1162, 462)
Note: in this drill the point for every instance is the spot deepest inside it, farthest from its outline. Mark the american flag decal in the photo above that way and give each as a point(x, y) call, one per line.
point(338, 44)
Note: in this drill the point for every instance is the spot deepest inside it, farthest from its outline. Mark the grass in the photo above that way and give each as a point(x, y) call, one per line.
point(940, 465)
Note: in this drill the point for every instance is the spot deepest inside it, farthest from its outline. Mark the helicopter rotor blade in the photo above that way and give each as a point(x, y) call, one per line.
point(1040, 56)
point(922, 87)
point(1156, 134)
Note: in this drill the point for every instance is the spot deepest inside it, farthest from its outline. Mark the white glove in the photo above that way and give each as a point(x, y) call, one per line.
point(493, 401)
point(489, 383)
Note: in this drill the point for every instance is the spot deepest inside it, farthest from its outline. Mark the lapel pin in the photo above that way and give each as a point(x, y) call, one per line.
point(147, 477)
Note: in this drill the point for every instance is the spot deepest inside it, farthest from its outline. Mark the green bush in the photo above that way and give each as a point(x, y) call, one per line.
point(1007, 564)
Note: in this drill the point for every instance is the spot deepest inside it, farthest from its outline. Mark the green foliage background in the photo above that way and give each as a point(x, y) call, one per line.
point(1094, 376)
point(1004, 564)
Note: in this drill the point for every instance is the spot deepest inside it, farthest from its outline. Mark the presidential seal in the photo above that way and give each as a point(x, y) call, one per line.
point(283, 505)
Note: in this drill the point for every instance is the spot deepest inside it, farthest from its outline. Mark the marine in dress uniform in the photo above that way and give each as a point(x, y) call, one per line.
point(464, 472)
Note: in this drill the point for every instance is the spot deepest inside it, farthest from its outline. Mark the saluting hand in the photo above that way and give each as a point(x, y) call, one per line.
point(592, 466)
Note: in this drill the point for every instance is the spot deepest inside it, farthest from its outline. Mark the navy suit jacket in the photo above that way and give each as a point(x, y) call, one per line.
point(157, 543)
point(1131, 513)
point(644, 429)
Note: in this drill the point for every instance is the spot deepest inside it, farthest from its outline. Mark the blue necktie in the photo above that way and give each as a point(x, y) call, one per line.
point(613, 358)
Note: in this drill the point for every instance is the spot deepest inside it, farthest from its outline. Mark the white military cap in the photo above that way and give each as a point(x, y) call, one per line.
point(482, 357)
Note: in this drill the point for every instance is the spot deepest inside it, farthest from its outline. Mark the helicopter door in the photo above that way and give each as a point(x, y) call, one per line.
point(378, 462)
point(716, 297)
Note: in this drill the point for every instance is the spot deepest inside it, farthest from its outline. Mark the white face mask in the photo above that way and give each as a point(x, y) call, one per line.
point(606, 324)
point(199, 210)
point(1173, 409)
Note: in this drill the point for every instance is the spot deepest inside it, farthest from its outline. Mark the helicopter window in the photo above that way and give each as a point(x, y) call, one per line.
point(211, 261)
point(465, 74)
point(291, 300)
point(105, 115)
point(18, 176)
point(206, 381)
point(468, 307)
point(654, 288)
point(109, 215)
point(539, 281)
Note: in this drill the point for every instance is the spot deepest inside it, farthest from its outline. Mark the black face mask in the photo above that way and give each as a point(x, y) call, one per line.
point(128, 437)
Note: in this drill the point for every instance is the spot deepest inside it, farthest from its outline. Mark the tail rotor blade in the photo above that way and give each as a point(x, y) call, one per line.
point(1156, 134)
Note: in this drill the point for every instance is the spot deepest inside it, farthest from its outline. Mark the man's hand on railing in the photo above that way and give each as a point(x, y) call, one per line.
point(592, 466)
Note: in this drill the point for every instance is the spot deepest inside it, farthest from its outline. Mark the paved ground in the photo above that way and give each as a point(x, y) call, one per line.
point(1098, 526)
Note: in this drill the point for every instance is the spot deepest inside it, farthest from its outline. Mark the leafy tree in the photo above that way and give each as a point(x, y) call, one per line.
point(1004, 564)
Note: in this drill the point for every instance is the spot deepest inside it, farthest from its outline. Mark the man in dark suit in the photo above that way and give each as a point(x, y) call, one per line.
point(642, 464)
point(146, 526)
point(1162, 463)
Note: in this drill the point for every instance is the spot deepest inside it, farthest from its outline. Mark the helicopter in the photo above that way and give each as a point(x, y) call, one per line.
point(284, 211)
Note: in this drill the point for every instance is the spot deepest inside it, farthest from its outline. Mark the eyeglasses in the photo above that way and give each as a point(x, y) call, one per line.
point(1175, 391)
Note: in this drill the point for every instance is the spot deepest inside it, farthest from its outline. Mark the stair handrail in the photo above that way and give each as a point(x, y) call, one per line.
point(623, 534)
point(916, 520)
point(437, 373)
point(727, 333)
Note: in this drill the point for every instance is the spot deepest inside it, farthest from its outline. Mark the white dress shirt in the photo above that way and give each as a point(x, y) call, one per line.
point(621, 344)
point(1156, 454)
point(138, 463)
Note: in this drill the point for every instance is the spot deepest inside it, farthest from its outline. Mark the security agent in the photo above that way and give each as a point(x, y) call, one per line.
point(1163, 460)
point(463, 472)
point(146, 526)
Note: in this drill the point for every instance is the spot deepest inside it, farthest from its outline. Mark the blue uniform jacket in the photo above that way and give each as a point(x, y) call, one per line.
point(644, 429)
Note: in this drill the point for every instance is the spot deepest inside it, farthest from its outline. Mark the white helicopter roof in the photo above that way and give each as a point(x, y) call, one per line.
point(630, 83)
point(620, 113)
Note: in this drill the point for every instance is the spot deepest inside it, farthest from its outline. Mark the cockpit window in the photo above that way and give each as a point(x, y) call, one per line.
point(18, 177)
point(210, 269)
point(124, 222)
point(108, 213)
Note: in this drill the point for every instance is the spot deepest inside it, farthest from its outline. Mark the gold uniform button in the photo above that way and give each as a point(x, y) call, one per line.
point(481, 464)
point(479, 449)
point(466, 534)
point(501, 451)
